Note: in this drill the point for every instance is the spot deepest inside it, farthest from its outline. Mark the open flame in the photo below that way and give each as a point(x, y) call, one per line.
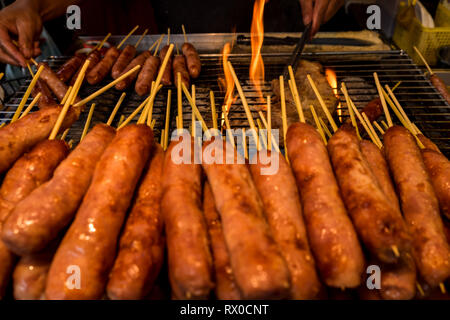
point(257, 38)
point(332, 81)
point(227, 83)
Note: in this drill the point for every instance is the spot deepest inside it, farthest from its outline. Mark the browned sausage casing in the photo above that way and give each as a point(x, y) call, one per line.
point(377, 163)
point(141, 248)
point(283, 211)
point(139, 60)
point(123, 60)
point(147, 75)
point(49, 208)
point(90, 243)
point(379, 224)
point(226, 287)
point(419, 205)
point(94, 57)
point(373, 109)
point(70, 67)
point(23, 134)
point(167, 75)
point(179, 66)
point(101, 70)
point(398, 280)
point(438, 168)
point(259, 269)
point(428, 144)
point(440, 86)
point(190, 265)
point(333, 239)
point(58, 87)
point(193, 62)
point(46, 99)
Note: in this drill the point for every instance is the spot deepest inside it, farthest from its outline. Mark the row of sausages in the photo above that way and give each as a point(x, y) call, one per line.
point(245, 234)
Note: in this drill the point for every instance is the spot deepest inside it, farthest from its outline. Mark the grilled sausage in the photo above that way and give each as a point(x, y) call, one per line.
point(283, 211)
point(428, 144)
point(141, 249)
point(139, 60)
point(21, 135)
point(49, 208)
point(70, 67)
point(58, 87)
point(90, 243)
point(193, 62)
point(378, 165)
point(179, 66)
point(226, 287)
point(441, 87)
point(167, 75)
point(398, 281)
point(333, 239)
point(94, 57)
point(123, 60)
point(147, 75)
point(30, 275)
point(189, 258)
point(419, 205)
point(377, 221)
point(259, 269)
point(373, 109)
point(101, 70)
point(8, 260)
point(438, 168)
point(46, 99)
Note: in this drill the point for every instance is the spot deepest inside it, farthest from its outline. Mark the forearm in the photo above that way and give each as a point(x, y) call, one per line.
point(48, 9)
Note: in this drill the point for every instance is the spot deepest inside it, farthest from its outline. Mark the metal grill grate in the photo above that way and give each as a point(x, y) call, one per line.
point(416, 94)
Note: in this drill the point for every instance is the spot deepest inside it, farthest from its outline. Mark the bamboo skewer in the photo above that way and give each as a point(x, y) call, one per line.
point(88, 121)
point(158, 44)
point(166, 125)
point(66, 95)
point(184, 33)
point(31, 105)
point(363, 122)
point(65, 133)
point(269, 123)
point(318, 125)
point(140, 38)
point(72, 95)
point(265, 123)
point(34, 61)
point(244, 143)
point(394, 108)
point(213, 109)
point(108, 86)
point(29, 70)
point(179, 103)
point(374, 133)
point(380, 129)
point(121, 119)
point(192, 113)
point(384, 125)
point(325, 128)
point(133, 114)
point(168, 36)
point(350, 110)
point(100, 45)
point(424, 61)
point(116, 108)
point(283, 115)
point(126, 37)
point(228, 130)
point(294, 91)
point(260, 129)
point(322, 104)
point(401, 111)
point(27, 94)
point(383, 102)
point(1, 75)
point(152, 125)
point(155, 43)
point(195, 110)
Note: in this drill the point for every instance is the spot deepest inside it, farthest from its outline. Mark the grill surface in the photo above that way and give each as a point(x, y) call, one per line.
point(418, 97)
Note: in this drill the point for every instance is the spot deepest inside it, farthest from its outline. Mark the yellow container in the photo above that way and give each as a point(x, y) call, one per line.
point(442, 18)
point(427, 40)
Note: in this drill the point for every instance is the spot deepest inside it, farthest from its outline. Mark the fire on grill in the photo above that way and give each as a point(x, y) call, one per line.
point(354, 180)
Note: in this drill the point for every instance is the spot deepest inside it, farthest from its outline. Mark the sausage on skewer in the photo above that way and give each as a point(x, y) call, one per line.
point(419, 204)
point(70, 67)
point(101, 70)
point(90, 243)
point(94, 57)
point(333, 239)
point(283, 211)
point(440, 85)
point(193, 62)
point(139, 60)
point(46, 99)
point(167, 75)
point(123, 60)
point(259, 269)
point(147, 75)
point(179, 66)
point(398, 280)
point(226, 287)
point(141, 248)
point(189, 258)
point(49, 208)
point(377, 221)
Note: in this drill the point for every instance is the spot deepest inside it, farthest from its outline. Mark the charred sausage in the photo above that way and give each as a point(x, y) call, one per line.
point(101, 70)
point(46, 99)
point(226, 287)
point(141, 248)
point(189, 257)
point(441, 87)
point(58, 87)
point(49, 208)
point(90, 243)
point(438, 168)
point(377, 221)
point(283, 211)
point(333, 239)
point(398, 281)
point(419, 204)
point(139, 60)
point(94, 57)
point(193, 62)
point(147, 75)
point(167, 75)
point(70, 67)
point(179, 66)
point(21, 135)
point(123, 60)
point(259, 269)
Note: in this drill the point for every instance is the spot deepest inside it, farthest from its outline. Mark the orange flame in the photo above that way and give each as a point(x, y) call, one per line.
point(227, 83)
point(257, 38)
point(332, 81)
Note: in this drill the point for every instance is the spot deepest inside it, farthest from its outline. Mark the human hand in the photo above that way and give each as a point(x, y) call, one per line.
point(318, 12)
